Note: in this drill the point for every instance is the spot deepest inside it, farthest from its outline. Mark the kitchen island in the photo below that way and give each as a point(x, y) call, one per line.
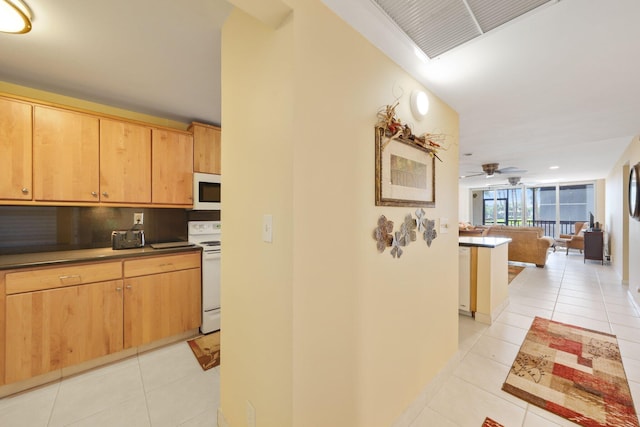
point(485, 278)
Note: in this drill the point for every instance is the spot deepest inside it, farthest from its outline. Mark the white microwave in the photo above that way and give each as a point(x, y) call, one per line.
point(206, 191)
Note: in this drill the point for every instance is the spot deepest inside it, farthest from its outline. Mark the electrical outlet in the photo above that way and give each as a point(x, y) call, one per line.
point(138, 218)
point(251, 415)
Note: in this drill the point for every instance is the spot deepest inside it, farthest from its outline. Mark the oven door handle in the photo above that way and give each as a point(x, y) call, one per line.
point(211, 255)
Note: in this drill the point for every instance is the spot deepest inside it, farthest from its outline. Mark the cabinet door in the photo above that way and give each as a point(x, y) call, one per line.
point(161, 305)
point(65, 156)
point(15, 150)
point(53, 329)
point(125, 162)
point(172, 167)
point(206, 149)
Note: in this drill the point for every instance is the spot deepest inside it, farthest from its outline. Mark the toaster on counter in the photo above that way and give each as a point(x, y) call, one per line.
point(127, 239)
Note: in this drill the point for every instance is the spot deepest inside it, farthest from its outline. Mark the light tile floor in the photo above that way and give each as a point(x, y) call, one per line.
point(566, 290)
point(167, 387)
point(162, 387)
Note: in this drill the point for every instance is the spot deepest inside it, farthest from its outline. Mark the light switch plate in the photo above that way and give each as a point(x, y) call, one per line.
point(444, 225)
point(267, 228)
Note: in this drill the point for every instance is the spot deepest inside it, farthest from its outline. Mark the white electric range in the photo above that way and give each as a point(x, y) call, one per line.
point(207, 234)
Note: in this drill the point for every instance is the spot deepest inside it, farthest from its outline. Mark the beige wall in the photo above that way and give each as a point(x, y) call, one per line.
point(624, 232)
point(319, 328)
point(257, 158)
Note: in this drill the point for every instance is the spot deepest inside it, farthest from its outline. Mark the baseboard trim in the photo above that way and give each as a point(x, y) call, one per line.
point(222, 421)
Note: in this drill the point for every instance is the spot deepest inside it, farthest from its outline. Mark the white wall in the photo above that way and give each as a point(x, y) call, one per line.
point(624, 232)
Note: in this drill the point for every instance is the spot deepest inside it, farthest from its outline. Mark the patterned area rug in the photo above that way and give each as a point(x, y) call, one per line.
point(574, 372)
point(207, 350)
point(514, 270)
point(488, 422)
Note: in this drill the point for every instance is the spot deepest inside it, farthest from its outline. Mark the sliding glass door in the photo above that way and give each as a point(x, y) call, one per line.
point(554, 208)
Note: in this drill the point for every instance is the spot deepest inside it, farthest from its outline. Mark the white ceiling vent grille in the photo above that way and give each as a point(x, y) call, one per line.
point(437, 26)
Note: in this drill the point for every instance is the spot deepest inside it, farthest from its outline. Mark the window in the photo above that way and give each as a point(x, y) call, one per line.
point(554, 208)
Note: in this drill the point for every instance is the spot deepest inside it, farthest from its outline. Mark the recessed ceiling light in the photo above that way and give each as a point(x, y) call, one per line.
point(554, 167)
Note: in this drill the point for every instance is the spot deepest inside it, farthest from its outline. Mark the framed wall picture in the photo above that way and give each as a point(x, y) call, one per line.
point(405, 173)
point(634, 192)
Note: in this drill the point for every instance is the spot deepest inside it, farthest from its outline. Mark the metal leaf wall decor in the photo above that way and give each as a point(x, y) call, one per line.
point(386, 237)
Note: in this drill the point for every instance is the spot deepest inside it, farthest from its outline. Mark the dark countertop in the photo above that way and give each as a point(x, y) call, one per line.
point(483, 242)
point(42, 259)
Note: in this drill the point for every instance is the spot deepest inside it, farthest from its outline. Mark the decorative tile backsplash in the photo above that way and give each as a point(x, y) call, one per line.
point(25, 229)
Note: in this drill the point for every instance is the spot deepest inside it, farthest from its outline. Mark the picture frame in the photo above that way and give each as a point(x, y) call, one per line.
point(405, 172)
point(634, 192)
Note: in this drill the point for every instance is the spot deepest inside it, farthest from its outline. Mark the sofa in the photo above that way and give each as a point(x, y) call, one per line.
point(528, 244)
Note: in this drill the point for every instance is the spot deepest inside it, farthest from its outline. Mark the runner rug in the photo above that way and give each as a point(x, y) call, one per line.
point(514, 270)
point(575, 373)
point(206, 348)
point(488, 422)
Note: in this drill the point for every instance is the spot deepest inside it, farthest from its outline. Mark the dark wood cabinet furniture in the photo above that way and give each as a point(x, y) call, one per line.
point(594, 246)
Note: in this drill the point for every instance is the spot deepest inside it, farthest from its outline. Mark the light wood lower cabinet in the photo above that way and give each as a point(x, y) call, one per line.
point(54, 319)
point(56, 328)
point(161, 305)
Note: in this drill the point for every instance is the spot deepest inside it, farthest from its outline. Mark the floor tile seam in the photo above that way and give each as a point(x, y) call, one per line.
point(632, 298)
point(443, 415)
point(531, 306)
point(496, 360)
point(613, 322)
point(503, 340)
point(144, 389)
point(173, 381)
point(583, 316)
point(606, 309)
point(55, 399)
point(491, 392)
point(182, 423)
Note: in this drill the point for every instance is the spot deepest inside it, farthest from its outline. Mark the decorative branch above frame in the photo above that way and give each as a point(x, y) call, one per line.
point(405, 172)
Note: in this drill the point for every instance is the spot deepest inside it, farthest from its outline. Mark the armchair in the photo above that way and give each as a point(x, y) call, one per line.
point(576, 240)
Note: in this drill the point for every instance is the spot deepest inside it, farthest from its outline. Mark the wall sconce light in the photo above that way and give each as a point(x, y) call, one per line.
point(419, 104)
point(15, 17)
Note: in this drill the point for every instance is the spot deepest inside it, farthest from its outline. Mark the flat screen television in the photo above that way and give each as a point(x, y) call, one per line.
point(591, 221)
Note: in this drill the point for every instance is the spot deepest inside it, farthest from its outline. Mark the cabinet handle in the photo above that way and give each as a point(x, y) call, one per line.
point(118, 289)
point(94, 194)
point(105, 194)
point(70, 276)
point(128, 286)
point(25, 190)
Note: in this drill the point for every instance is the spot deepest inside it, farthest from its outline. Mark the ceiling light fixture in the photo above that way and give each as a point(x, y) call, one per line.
point(15, 17)
point(419, 104)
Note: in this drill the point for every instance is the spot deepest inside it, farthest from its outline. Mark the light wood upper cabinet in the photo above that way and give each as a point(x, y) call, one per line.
point(15, 150)
point(65, 155)
point(206, 148)
point(125, 162)
point(172, 167)
point(56, 328)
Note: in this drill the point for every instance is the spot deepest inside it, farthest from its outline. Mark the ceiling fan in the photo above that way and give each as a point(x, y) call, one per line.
point(489, 169)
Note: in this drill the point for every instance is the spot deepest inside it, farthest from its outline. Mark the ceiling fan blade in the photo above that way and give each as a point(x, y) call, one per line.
point(472, 175)
point(510, 169)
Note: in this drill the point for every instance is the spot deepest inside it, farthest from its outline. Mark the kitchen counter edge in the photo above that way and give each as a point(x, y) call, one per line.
point(483, 242)
point(43, 259)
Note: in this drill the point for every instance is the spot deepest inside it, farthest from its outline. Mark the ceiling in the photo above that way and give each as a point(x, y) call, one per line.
point(557, 86)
